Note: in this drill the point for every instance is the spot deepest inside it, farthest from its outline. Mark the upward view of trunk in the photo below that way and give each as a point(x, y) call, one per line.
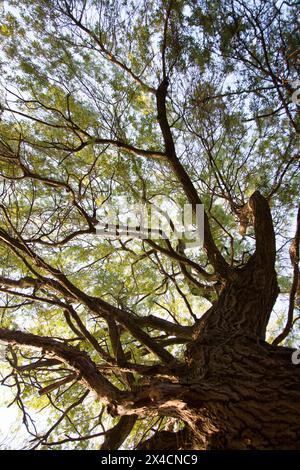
point(114, 322)
point(242, 394)
point(239, 392)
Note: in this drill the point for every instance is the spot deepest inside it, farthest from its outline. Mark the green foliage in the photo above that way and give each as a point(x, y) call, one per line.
point(65, 85)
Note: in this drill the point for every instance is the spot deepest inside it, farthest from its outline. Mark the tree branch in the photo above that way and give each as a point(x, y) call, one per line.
point(77, 360)
point(96, 305)
point(115, 436)
point(167, 326)
point(107, 53)
point(265, 252)
point(294, 254)
point(213, 253)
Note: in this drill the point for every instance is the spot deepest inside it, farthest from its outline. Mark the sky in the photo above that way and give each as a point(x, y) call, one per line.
point(10, 421)
point(13, 433)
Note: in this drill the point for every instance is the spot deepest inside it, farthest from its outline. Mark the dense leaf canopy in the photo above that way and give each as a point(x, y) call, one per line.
point(190, 100)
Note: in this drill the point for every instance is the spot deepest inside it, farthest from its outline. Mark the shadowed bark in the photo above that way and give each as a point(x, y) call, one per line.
point(216, 375)
point(115, 436)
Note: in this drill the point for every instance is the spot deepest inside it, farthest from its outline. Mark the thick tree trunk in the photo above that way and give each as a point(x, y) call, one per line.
point(253, 397)
point(238, 391)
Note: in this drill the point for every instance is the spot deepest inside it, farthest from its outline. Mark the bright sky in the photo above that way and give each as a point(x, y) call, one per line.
point(13, 434)
point(10, 421)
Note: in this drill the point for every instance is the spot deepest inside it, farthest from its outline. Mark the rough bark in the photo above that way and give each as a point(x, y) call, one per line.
point(238, 392)
point(115, 437)
point(235, 391)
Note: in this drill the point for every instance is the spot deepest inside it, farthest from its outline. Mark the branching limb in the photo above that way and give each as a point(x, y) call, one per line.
point(115, 436)
point(294, 254)
point(265, 252)
point(78, 360)
point(213, 253)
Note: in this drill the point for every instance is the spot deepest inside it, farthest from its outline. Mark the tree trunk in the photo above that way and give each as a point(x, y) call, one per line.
point(252, 396)
point(234, 391)
point(239, 393)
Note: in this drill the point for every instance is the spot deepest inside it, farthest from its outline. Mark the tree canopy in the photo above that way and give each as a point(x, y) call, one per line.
point(194, 101)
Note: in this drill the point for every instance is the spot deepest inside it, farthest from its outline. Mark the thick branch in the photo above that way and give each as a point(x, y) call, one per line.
point(165, 440)
point(213, 253)
point(167, 326)
point(265, 252)
point(73, 357)
point(294, 254)
point(115, 436)
point(24, 283)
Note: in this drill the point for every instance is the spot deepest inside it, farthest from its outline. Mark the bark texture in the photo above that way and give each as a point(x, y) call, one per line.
point(234, 390)
point(237, 392)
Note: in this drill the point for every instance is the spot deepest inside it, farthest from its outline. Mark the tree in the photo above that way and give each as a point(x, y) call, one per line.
point(149, 343)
